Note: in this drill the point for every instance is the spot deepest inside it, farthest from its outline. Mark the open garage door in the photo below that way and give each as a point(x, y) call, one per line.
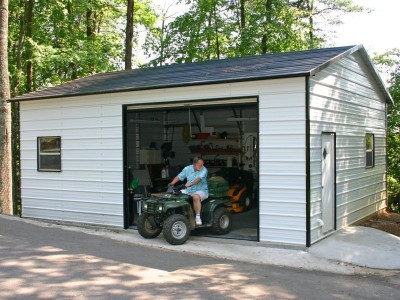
point(162, 138)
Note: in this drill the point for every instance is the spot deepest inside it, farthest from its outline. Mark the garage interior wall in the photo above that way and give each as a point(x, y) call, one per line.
point(166, 125)
point(89, 189)
point(344, 100)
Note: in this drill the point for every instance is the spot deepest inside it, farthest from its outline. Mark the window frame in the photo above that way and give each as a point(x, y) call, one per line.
point(369, 152)
point(40, 154)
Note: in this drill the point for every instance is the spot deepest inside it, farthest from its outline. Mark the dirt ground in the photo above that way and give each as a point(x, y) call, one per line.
point(386, 221)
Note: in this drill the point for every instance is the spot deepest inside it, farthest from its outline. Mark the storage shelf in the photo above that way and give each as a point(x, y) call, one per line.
point(216, 151)
point(216, 139)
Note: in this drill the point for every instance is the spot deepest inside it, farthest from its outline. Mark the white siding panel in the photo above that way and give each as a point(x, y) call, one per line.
point(282, 235)
point(275, 114)
point(344, 100)
point(274, 209)
point(285, 128)
point(282, 166)
point(65, 214)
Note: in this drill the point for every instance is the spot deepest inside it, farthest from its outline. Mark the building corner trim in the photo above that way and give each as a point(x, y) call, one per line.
point(307, 154)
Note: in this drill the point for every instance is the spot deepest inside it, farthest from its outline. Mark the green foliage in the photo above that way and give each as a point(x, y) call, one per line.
point(214, 29)
point(393, 187)
point(391, 61)
point(66, 40)
point(70, 39)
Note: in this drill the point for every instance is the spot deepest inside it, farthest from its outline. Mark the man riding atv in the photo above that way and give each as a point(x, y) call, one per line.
point(196, 185)
point(173, 213)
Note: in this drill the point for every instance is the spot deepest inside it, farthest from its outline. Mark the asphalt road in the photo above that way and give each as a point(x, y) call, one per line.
point(44, 262)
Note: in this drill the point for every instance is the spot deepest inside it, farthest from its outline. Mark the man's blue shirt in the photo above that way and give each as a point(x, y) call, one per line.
point(190, 174)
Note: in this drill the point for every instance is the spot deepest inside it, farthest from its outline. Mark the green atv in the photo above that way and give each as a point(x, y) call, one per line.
point(173, 214)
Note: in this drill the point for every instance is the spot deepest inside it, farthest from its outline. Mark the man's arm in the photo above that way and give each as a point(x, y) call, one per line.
point(203, 174)
point(175, 180)
point(194, 182)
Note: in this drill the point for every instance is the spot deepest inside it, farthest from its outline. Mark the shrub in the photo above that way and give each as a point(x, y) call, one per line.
point(393, 188)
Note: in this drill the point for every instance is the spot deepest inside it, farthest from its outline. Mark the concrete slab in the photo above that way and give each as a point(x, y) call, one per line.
point(361, 246)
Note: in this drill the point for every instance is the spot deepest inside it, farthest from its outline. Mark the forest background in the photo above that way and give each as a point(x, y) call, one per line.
point(47, 42)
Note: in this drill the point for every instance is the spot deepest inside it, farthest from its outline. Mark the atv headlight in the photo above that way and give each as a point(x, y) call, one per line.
point(144, 206)
point(160, 208)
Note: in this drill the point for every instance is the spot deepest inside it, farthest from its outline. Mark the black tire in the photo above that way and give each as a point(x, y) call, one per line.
point(221, 221)
point(145, 228)
point(176, 229)
point(245, 201)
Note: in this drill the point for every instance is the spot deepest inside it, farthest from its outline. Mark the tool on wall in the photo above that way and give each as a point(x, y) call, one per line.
point(249, 151)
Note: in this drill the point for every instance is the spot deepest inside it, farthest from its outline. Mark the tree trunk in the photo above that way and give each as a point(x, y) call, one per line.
point(242, 14)
point(90, 23)
point(29, 51)
point(242, 27)
point(129, 34)
point(310, 7)
point(5, 116)
point(266, 35)
point(216, 30)
point(15, 86)
point(162, 41)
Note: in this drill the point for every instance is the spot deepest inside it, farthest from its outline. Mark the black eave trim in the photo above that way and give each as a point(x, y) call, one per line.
point(164, 86)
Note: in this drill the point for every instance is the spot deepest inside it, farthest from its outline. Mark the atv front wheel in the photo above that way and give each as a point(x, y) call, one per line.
point(145, 228)
point(176, 229)
point(221, 221)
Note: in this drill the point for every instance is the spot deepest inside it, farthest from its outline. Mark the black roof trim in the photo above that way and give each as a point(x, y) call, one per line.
point(251, 68)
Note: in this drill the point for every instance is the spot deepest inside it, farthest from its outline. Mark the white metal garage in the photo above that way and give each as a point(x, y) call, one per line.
point(321, 130)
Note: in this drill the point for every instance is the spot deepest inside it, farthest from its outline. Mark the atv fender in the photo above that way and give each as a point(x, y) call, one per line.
point(209, 208)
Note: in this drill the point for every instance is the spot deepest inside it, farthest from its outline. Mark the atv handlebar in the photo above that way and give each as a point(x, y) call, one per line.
point(171, 189)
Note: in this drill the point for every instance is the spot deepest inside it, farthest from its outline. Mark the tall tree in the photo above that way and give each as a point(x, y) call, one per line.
point(318, 12)
point(129, 34)
point(29, 52)
point(5, 116)
point(158, 35)
point(198, 34)
point(213, 29)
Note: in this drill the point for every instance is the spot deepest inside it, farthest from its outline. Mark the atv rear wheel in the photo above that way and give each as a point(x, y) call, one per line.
point(176, 229)
point(245, 201)
point(221, 221)
point(145, 228)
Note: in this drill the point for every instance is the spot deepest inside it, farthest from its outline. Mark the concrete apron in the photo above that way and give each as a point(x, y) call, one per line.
point(361, 246)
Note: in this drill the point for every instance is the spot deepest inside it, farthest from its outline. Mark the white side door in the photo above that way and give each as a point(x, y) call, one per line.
point(328, 181)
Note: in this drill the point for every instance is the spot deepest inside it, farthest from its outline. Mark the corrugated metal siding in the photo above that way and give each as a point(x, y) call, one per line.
point(282, 166)
point(90, 187)
point(344, 100)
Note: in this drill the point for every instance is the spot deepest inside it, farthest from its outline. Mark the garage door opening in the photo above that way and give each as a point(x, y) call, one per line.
point(161, 139)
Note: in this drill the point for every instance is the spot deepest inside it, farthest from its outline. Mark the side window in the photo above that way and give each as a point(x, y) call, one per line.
point(369, 150)
point(49, 153)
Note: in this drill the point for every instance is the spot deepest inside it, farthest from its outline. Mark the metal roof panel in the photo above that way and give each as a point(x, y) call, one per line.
point(276, 65)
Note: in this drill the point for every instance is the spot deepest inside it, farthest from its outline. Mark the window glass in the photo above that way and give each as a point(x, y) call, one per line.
point(369, 150)
point(49, 153)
